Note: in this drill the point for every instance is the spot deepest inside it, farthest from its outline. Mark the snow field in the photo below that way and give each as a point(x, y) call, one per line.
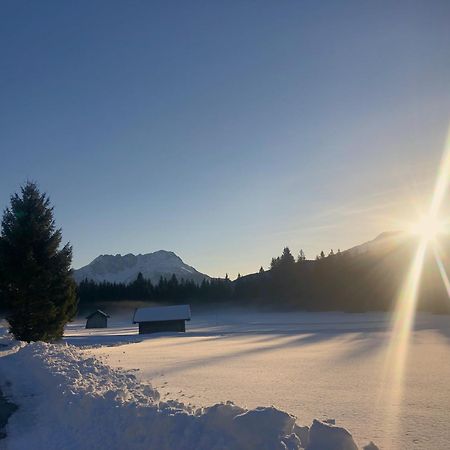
point(70, 400)
point(312, 365)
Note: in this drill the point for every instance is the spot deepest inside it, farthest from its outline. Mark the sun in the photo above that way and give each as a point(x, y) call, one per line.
point(428, 228)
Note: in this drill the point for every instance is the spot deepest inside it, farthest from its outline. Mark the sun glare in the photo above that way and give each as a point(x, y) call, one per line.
point(428, 228)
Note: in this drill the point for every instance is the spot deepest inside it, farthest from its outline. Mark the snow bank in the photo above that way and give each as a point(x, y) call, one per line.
point(72, 401)
point(323, 436)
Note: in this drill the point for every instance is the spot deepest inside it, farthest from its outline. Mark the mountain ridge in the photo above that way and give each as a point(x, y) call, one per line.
point(165, 263)
point(120, 268)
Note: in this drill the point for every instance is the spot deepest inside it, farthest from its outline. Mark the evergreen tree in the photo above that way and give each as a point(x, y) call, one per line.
point(301, 256)
point(286, 257)
point(140, 278)
point(35, 272)
point(138, 288)
point(261, 269)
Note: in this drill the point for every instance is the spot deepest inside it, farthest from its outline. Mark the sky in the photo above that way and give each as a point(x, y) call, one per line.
point(224, 131)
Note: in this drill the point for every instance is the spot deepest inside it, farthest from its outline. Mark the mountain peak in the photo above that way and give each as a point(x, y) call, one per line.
point(382, 242)
point(388, 234)
point(125, 268)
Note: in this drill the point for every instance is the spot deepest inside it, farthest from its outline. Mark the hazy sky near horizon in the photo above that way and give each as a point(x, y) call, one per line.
point(224, 130)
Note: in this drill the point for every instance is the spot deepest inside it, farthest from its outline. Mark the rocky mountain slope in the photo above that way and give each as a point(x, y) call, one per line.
point(125, 269)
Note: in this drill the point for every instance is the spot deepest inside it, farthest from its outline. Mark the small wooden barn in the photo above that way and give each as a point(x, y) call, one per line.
point(162, 318)
point(98, 319)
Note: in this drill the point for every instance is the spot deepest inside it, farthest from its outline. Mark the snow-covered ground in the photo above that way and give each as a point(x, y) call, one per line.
point(312, 365)
point(116, 389)
point(68, 399)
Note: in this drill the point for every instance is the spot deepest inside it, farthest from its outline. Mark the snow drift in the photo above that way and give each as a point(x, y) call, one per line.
point(72, 401)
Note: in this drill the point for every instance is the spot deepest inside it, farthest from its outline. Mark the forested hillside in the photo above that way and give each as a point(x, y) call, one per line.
point(365, 278)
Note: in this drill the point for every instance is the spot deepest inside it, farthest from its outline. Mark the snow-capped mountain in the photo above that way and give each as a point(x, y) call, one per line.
point(125, 269)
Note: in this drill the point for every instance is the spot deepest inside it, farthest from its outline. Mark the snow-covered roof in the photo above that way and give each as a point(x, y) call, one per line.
point(159, 313)
point(99, 311)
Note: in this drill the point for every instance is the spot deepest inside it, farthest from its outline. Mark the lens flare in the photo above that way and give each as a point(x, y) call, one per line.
point(442, 270)
point(427, 229)
point(403, 321)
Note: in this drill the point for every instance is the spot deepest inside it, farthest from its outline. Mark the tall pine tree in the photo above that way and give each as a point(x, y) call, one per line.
point(37, 285)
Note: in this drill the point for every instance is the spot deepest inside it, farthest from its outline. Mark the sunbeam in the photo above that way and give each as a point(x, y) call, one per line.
point(427, 229)
point(403, 321)
point(442, 270)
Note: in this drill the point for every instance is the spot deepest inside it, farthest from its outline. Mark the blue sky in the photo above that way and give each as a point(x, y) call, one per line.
point(224, 130)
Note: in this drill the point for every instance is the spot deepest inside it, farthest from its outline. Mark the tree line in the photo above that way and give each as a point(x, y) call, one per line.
point(39, 295)
point(166, 290)
point(344, 281)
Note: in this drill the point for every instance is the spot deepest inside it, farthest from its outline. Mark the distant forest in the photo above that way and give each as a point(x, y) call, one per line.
point(342, 281)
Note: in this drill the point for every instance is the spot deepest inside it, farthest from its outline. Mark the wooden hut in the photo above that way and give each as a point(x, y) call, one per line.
point(162, 318)
point(98, 319)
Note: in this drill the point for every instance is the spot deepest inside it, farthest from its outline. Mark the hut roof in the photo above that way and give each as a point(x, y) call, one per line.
point(162, 313)
point(99, 311)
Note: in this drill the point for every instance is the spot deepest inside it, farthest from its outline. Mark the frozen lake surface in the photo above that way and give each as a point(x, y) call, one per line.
point(312, 365)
